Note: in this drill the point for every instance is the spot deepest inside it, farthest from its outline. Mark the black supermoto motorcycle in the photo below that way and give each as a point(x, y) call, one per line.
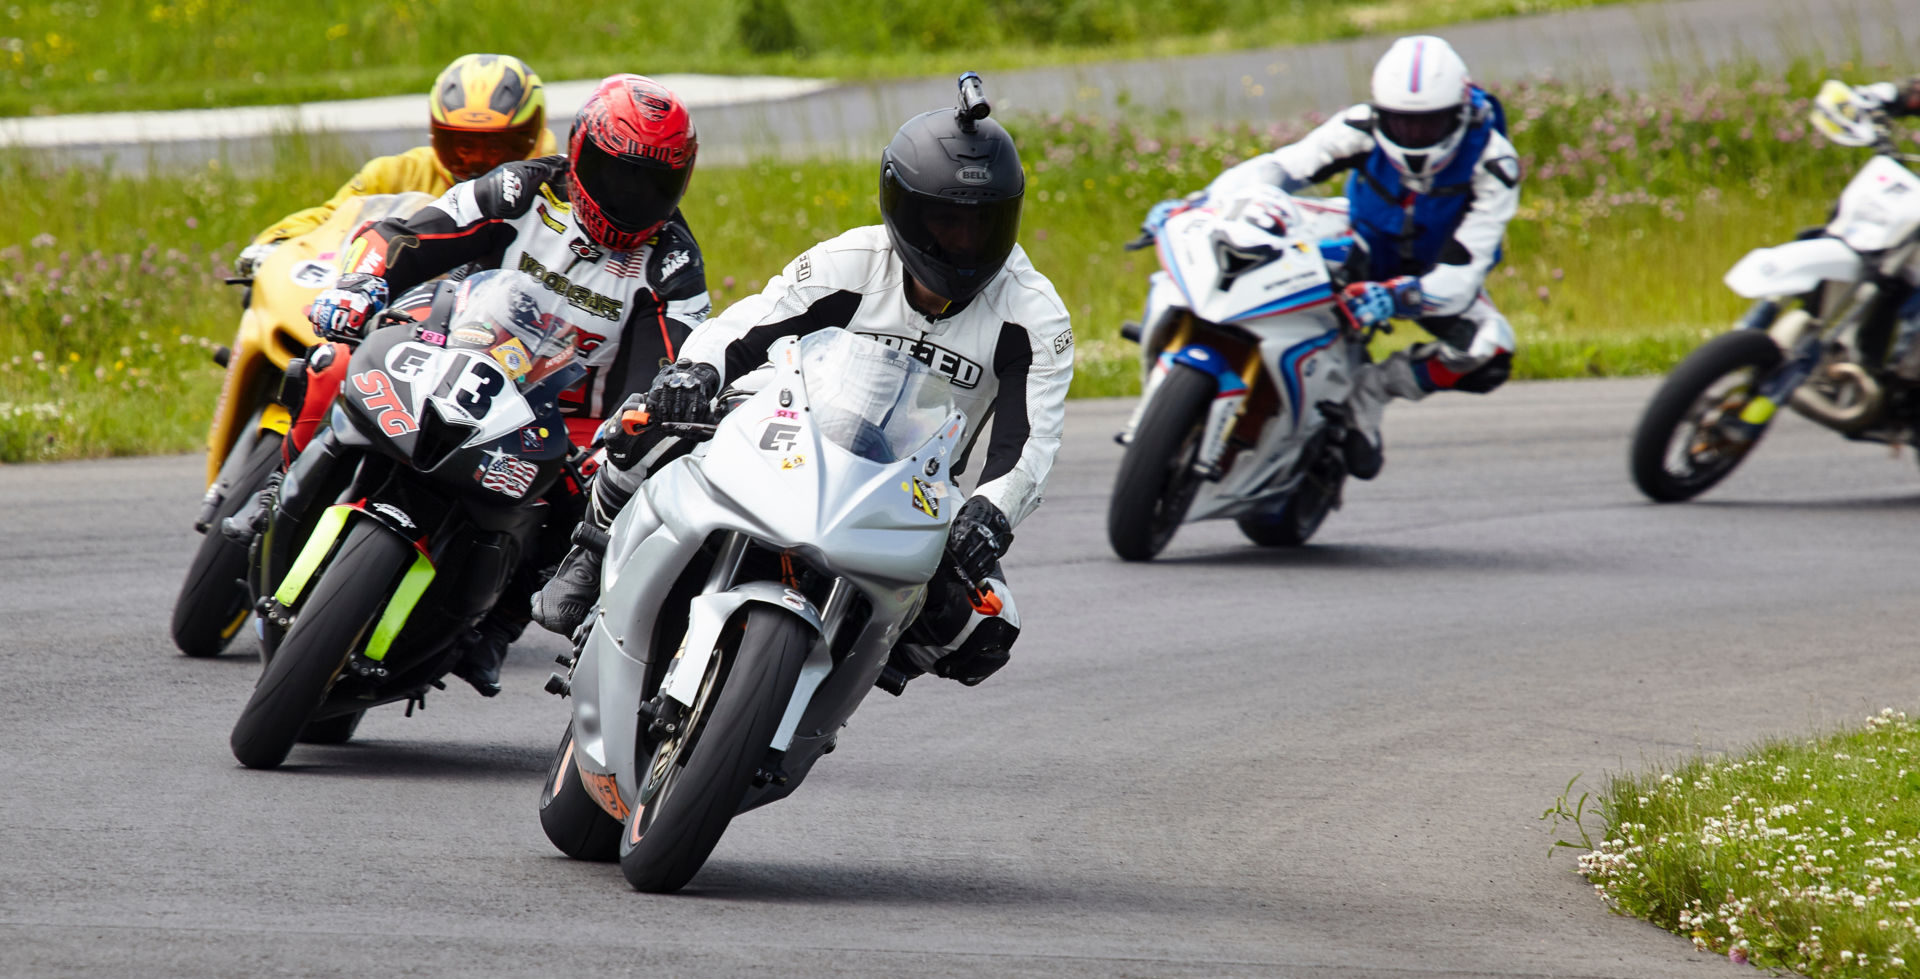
point(402, 524)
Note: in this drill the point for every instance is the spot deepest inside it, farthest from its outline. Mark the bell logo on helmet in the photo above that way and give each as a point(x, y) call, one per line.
point(975, 175)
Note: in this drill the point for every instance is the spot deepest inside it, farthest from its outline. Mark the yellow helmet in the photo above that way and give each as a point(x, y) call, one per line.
point(487, 109)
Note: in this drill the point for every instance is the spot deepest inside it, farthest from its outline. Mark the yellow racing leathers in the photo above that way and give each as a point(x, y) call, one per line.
point(417, 169)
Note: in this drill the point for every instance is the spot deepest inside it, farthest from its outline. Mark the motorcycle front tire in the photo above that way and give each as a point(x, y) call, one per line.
point(213, 605)
point(1679, 397)
point(1156, 484)
point(332, 622)
point(666, 841)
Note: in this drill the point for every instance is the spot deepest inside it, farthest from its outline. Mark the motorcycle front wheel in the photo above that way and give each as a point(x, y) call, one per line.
point(696, 779)
point(332, 623)
point(1683, 445)
point(213, 605)
point(1156, 483)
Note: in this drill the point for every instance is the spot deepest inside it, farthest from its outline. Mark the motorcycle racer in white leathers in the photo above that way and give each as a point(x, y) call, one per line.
point(943, 280)
point(1433, 182)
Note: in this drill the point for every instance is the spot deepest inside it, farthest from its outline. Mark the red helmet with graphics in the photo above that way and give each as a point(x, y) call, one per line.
point(630, 155)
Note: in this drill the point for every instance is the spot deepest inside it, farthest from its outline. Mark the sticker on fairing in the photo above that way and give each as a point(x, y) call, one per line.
point(503, 473)
point(473, 334)
point(925, 499)
point(314, 275)
point(513, 356)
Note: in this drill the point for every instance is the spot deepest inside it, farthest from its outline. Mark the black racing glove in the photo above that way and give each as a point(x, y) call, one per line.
point(683, 392)
point(979, 537)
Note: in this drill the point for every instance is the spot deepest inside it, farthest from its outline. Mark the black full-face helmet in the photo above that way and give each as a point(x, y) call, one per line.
point(950, 192)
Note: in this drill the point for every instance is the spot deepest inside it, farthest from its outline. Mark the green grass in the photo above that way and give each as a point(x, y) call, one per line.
point(1634, 208)
point(1799, 855)
point(112, 55)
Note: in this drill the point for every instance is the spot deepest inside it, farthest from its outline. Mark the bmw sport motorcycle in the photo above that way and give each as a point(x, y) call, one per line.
point(1242, 339)
point(1832, 332)
point(243, 441)
point(750, 594)
point(398, 528)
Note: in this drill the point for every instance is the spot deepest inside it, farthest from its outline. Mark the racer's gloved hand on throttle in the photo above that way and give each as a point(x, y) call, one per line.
point(343, 312)
point(978, 537)
point(683, 392)
point(622, 446)
point(1372, 303)
point(248, 261)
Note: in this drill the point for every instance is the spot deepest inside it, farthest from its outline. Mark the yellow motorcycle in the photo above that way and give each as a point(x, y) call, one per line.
point(244, 440)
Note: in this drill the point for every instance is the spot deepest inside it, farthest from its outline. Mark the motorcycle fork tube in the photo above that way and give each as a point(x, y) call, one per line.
point(726, 564)
point(1223, 416)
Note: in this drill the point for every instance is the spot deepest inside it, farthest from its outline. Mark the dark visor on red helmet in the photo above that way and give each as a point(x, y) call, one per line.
point(632, 193)
point(1418, 130)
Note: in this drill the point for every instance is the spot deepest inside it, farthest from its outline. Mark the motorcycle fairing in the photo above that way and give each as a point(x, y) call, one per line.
point(1231, 269)
point(771, 475)
point(1880, 207)
point(1794, 268)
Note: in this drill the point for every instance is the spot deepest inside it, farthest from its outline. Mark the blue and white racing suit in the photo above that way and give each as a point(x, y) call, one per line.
point(1447, 232)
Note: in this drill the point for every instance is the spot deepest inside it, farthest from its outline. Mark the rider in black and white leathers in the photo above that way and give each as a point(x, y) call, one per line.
point(1008, 352)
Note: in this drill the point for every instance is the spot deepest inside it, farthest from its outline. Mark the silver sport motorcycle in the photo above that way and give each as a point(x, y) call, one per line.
point(750, 594)
point(1242, 340)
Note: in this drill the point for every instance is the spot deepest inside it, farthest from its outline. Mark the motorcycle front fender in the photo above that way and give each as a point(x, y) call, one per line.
point(326, 535)
point(708, 614)
point(1794, 268)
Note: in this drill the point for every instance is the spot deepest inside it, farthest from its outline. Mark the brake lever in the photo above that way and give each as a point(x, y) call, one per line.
point(1144, 241)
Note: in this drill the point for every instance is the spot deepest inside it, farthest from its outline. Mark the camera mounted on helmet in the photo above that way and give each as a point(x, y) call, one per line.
point(951, 187)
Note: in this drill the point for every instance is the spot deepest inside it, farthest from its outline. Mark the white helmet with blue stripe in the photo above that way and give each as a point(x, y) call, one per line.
point(1421, 107)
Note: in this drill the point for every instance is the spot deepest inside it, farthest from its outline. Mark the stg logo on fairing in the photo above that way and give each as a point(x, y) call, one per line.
point(965, 373)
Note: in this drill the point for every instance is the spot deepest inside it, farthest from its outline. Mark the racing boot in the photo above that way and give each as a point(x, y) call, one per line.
point(1363, 457)
point(251, 519)
point(485, 650)
point(563, 604)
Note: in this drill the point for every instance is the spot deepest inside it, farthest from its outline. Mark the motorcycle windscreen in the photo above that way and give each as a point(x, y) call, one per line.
point(876, 402)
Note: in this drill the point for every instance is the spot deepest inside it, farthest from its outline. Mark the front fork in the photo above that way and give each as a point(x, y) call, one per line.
point(1234, 382)
point(1802, 345)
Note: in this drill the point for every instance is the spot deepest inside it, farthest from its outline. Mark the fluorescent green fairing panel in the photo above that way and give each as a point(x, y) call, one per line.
point(315, 551)
point(400, 606)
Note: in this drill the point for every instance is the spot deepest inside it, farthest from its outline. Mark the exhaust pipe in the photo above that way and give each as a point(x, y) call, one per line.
point(1851, 418)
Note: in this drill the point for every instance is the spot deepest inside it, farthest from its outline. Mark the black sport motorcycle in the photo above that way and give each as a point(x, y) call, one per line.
point(404, 522)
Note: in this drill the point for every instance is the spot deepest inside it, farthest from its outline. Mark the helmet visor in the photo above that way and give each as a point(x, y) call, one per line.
point(966, 235)
point(468, 153)
point(633, 194)
point(1418, 130)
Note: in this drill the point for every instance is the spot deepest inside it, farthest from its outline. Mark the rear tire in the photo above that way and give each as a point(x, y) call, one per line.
point(213, 602)
point(575, 823)
point(1156, 484)
point(667, 838)
point(331, 624)
point(1713, 382)
point(1298, 519)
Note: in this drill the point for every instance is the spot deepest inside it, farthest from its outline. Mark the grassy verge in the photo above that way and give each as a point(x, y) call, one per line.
point(1634, 208)
point(1797, 855)
point(114, 55)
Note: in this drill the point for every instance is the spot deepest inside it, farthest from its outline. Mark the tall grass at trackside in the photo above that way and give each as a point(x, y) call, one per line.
point(1800, 855)
point(113, 55)
point(1634, 207)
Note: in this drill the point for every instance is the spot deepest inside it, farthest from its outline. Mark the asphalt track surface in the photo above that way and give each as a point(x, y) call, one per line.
point(1633, 45)
point(1230, 762)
